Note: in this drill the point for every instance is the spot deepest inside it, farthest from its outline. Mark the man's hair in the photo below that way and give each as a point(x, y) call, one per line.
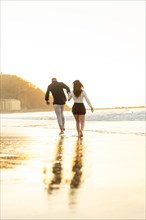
point(54, 79)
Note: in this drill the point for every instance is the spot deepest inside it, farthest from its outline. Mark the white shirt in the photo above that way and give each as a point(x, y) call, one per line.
point(80, 98)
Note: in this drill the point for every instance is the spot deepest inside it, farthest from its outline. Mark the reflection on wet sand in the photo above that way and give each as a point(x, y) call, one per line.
point(77, 172)
point(57, 168)
point(11, 152)
point(77, 167)
point(10, 161)
point(54, 178)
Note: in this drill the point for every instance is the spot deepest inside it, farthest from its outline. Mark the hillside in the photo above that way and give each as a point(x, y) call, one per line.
point(31, 97)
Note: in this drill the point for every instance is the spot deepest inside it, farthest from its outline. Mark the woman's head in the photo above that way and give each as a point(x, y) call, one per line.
point(77, 88)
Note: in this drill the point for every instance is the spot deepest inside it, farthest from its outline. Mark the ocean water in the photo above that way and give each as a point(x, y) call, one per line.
point(125, 114)
point(45, 176)
point(101, 121)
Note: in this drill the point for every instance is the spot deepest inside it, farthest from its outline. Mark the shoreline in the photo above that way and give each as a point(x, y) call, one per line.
point(46, 110)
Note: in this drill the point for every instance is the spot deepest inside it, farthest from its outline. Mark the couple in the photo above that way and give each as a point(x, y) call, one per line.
point(78, 108)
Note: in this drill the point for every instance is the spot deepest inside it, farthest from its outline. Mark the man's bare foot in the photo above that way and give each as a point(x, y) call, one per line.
point(61, 132)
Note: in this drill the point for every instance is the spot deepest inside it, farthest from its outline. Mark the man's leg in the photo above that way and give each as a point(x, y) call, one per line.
point(57, 109)
point(62, 116)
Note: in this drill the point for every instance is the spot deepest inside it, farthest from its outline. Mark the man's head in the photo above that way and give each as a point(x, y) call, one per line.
point(54, 79)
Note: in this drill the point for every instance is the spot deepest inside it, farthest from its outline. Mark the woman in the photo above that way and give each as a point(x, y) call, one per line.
point(78, 108)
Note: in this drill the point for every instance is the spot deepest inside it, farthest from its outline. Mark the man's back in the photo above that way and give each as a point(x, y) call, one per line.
point(57, 90)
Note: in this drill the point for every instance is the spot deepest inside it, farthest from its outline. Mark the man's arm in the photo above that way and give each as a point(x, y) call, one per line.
point(66, 87)
point(69, 96)
point(47, 96)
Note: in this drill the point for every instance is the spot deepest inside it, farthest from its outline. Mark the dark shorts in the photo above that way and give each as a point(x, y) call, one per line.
point(78, 109)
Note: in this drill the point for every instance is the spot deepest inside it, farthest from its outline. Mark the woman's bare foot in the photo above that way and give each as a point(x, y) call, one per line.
point(80, 134)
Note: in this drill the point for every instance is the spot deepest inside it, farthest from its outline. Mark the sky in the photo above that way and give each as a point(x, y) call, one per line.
point(100, 43)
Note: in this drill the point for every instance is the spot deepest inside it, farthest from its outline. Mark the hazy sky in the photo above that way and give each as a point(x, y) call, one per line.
point(101, 43)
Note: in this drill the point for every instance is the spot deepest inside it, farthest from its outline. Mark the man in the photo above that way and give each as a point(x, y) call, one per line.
point(57, 90)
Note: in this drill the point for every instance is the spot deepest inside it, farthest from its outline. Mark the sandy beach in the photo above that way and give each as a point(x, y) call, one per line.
point(45, 176)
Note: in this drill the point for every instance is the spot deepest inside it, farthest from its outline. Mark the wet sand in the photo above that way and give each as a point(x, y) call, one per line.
point(45, 176)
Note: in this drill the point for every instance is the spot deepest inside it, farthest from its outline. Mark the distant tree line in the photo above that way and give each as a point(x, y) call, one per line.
point(31, 97)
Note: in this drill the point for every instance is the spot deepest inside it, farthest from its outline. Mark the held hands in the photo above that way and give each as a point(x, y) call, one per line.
point(69, 97)
point(47, 102)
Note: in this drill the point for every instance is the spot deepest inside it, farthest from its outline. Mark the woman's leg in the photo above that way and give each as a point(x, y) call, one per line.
point(82, 121)
point(77, 124)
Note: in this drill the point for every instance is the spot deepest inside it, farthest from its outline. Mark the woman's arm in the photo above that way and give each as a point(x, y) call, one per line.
point(88, 101)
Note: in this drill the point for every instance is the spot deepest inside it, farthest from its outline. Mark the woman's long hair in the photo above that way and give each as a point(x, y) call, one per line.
point(77, 88)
